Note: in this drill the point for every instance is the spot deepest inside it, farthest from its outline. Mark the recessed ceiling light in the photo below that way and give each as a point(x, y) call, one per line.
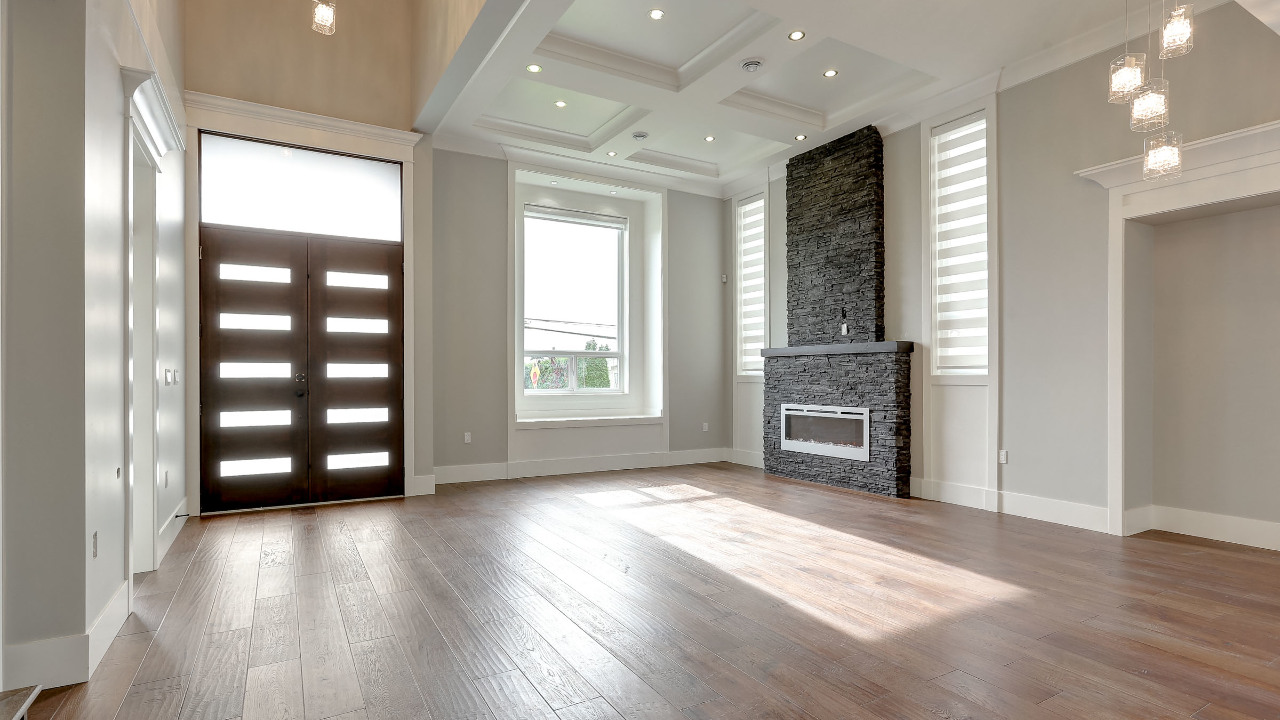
point(613, 192)
point(560, 103)
point(797, 35)
point(533, 67)
point(555, 182)
point(710, 138)
point(613, 154)
point(801, 137)
point(831, 73)
point(656, 14)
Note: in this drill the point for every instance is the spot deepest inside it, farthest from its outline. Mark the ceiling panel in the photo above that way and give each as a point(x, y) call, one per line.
point(533, 103)
point(728, 148)
point(861, 75)
point(623, 26)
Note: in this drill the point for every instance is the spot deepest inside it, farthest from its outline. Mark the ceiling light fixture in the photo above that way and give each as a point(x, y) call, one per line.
point(560, 103)
point(613, 192)
point(1127, 70)
point(656, 14)
point(710, 138)
point(831, 73)
point(639, 135)
point(1175, 38)
point(533, 68)
point(797, 35)
point(613, 154)
point(801, 137)
point(324, 17)
point(1150, 108)
point(555, 182)
point(752, 64)
point(1163, 156)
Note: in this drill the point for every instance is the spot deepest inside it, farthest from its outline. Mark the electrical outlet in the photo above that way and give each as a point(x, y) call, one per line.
point(466, 438)
point(1004, 457)
point(706, 427)
point(95, 544)
point(168, 376)
point(176, 380)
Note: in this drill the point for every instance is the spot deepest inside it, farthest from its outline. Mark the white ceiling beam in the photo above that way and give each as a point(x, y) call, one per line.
point(1268, 11)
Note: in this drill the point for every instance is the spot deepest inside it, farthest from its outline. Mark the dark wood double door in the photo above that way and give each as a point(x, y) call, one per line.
point(301, 369)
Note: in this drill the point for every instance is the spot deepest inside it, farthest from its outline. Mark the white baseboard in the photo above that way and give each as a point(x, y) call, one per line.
point(108, 623)
point(1062, 512)
point(51, 662)
point(419, 485)
point(169, 531)
point(1227, 528)
point(750, 458)
point(1138, 520)
point(450, 474)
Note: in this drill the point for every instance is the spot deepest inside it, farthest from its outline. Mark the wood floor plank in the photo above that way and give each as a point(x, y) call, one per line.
point(107, 687)
point(216, 688)
point(159, 700)
point(554, 677)
point(274, 692)
point(275, 580)
point(459, 626)
point(309, 556)
point(329, 683)
point(148, 612)
point(513, 697)
point(389, 689)
point(233, 608)
point(275, 631)
point(173, 652)
point(597, 709)
point(361, 613)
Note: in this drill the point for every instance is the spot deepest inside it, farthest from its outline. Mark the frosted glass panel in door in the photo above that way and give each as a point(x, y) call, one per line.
point(270, 187)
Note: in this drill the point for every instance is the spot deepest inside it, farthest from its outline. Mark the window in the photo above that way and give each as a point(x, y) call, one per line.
point(958, 223)
point(752, 287)
point(574, 308)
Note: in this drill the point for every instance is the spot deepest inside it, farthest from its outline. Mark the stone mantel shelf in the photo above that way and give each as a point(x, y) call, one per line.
point(892, 346)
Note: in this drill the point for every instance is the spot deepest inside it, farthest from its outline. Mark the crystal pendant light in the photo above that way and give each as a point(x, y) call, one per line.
point(1176, 37)
point(324, 17)
point(1150, 107)
point(1163, 156)
point(1126, 76)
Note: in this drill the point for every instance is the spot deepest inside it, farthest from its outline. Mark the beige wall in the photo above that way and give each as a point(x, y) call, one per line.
point(1217, 392)
point(696, 331)
point(439, 27)
point(264, 51)
point(470, 276)
point(1053, 241)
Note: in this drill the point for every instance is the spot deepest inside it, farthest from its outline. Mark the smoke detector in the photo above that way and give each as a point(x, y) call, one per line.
point(752, 64)
point(640, 135)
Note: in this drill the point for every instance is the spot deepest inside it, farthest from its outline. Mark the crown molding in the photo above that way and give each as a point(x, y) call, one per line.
point(594, 169)
point(1241, 149)
point(243, 108)
point(1268, 11)
point(149, 107)
point(559, 47)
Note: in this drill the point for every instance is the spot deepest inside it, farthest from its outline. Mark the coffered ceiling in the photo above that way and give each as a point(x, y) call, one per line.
point(608, 72)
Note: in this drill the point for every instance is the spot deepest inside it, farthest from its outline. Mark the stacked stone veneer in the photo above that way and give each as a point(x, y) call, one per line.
point(878, 381)
point(835, 261)
point(835, 241)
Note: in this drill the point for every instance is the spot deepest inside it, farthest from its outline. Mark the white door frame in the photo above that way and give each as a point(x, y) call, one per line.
point(291, 127)
point(1236, 165)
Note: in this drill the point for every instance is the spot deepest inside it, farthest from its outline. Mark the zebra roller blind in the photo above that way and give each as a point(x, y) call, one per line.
point(958, 174)
point(752, 290)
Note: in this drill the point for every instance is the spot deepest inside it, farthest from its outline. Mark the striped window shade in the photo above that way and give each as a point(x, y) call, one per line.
point(958, 162)
point(752, 295)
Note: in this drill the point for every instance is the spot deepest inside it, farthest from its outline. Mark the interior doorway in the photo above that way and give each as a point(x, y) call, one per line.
point(300, 373)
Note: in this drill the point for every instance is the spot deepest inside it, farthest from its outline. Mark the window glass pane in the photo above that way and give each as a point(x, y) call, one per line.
point(571, 285)
point(599, 373)
point(258, 185)
point(546, 373)
point(753, 301)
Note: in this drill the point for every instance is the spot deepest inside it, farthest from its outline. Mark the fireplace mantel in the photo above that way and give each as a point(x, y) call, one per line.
point(891, 346)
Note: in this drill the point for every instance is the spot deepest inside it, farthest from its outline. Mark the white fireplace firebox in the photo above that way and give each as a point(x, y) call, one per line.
point(827, 430)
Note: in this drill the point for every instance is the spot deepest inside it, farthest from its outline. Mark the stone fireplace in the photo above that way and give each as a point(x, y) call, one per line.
point(856, 431)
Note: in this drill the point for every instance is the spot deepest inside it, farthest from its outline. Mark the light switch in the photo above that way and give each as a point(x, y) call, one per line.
point(176, 379)
point(168, 376)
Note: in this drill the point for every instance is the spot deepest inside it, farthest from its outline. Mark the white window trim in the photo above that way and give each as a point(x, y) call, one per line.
point(763, 193)
point(550, 406)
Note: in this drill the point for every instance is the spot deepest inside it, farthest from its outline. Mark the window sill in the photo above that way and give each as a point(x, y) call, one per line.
point(578, 422)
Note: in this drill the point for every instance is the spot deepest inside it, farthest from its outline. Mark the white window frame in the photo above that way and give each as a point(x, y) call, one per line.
point(621, 224)
point(631, 401)
point(762, 195)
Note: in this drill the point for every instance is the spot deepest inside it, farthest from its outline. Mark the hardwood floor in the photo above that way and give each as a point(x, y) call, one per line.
point(699, 593)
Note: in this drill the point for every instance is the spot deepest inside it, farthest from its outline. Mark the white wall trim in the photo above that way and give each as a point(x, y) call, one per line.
point(419, 485)
point(52, 662)
point(1139, 519)
point(169, 530)
point(198, 101)
point(251, 120)
point(1240, 164)
point(1226, 528)
point(451, 474)
point(749, 458)
point(1062, 512)
point(107, 624)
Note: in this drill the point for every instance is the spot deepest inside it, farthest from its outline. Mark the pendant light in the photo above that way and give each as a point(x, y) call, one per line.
point(1149, 107)
point(1163, 156)
point(324, 16)
point(1127, 70)
point(1176, 37)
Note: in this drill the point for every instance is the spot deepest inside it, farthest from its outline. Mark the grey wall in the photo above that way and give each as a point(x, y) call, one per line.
point(470, 276)
point(696, 331)
point(1217, 392)
point(904, 258)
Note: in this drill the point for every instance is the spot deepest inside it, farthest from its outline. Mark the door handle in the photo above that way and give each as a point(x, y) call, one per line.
point(300, 377)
